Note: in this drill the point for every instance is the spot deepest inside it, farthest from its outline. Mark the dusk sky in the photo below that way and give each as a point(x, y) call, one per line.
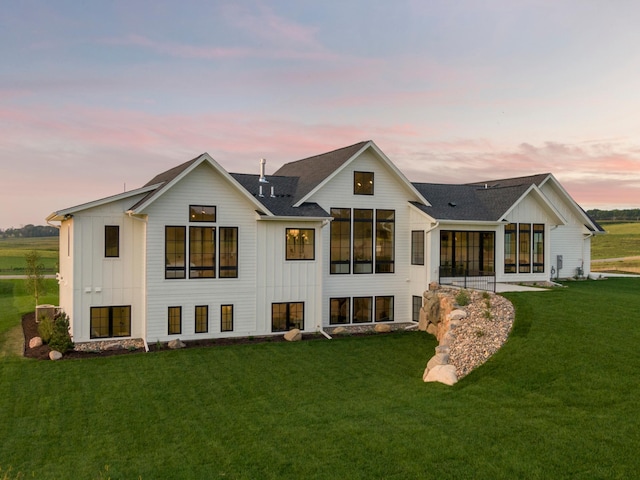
point(98, 95)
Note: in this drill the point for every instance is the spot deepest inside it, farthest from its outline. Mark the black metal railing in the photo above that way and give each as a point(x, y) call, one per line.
point(461, 277)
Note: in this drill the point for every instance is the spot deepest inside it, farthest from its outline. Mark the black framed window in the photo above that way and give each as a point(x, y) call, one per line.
point(385, 240)
point(339, 310)
point(174, 317)
point(362, 309)
point(202, 319)
point(416, 305)
point(363, 183)
point(467, 253)
point(524, 248)
point(114, 321)
point(362, 240)
point(175, 251)
point(226, 318)
point(111, 241)
point(202, 213)
point(510, 247)
point(538, 248)
point(202, 252)
point(340, 248)
point(228, 252)
point(384, 309)
point(417, 247)
point(300, 243)
point(286, 316)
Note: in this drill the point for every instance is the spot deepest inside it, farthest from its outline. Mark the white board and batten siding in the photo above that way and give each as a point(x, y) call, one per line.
point(98, 281)
point(202, 186)
point(572, 240)
point(389, 194)
point(283, 281)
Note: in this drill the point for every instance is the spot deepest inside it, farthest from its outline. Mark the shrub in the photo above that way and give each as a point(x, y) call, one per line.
point(45, 328)
point(61, 339)
point(462, 298)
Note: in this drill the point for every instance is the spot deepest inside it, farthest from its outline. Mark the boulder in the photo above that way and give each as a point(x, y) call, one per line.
point(55, 355)
point(432, 329)
point(382, 328)
point(434, 286)
point(423, 322)
point(294, 335)
point(438, 359)
point(441, 373)
point(339, 331)
point(35, 342)
point(457, 314)
point(432, 307)
point(175, 344)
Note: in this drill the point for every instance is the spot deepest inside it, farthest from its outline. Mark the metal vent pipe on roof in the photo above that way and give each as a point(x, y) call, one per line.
point(262, 165)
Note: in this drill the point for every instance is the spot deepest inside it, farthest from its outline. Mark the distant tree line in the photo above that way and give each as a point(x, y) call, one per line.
point(30, 231)
point(628, 215)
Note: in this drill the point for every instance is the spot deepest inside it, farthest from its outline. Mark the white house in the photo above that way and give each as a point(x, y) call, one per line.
point(338, 238)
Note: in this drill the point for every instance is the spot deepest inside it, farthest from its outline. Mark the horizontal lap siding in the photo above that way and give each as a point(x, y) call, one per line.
point(203, 186)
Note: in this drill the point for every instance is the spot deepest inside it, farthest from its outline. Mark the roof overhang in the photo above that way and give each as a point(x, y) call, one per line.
point(544, 202)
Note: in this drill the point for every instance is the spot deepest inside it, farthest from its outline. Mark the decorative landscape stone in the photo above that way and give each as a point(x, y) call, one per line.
point(294, 335)
point(35, 342)
point(55, 355)
point(382, 328)
point(175, 344)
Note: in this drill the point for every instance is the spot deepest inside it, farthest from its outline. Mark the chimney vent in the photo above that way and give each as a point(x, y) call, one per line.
point(262, 177)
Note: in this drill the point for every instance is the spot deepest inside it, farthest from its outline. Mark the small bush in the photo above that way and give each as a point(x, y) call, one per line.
point(61, 339)
point(45, 328)
point(462, 298)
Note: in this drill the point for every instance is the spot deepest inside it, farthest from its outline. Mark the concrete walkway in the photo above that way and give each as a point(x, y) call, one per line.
point(509, 287)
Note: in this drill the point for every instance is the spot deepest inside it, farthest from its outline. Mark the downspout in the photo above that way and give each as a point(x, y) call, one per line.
point(436, 225)
point(319, 327)
point(144, 279)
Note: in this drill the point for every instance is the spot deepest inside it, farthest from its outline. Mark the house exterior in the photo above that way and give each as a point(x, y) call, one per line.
point(335, 239)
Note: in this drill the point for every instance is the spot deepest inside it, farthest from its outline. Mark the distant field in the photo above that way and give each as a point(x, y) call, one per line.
point(13, 250)
point(621, 240)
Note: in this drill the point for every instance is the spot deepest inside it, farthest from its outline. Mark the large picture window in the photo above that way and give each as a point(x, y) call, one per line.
point(202, 252)
point(228, 252)
point(111, 241)
point(464, 253)
point(175, 252)
point(340, 248)
point(300, 243)
point(362, 309)
point(524, 248)
point(339, 311)
point(287, 316)
point(108, 322)
point(417, 247)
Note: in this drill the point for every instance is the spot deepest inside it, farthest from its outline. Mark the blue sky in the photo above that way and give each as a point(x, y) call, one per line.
point(101, 95)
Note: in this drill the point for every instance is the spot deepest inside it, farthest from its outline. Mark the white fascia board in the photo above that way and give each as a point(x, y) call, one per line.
point(205, 157)
point(431, 219)
point(484, 223)
point(534, 190)
point(292, 219)
point(60, 214)
point(571, 202)
point(384, 158)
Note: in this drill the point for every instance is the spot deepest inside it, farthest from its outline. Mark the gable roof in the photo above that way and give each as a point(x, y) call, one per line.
point(170, 177)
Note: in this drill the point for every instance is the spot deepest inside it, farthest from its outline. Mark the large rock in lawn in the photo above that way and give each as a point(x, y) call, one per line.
point(441, 373)
point(294, 335)
point(35, 342)
point(382, 328)
point(175, 344)
point(55, 355)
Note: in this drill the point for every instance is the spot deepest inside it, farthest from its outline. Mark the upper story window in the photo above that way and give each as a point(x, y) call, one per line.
point(363, 183)
point(202, 213)
point(111, 241)
point(300, 243)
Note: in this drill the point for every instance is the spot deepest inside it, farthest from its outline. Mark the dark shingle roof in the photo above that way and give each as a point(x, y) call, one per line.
point(469, 202)
point(314, 170)
point(284, 189)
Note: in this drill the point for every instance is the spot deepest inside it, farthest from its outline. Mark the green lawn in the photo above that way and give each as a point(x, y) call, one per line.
point(621, 240)
point(13, 250)
point(560, 400)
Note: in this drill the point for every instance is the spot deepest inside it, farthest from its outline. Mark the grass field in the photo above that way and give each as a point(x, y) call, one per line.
point(621, 240)
point(560, 400)
point(13, 250)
